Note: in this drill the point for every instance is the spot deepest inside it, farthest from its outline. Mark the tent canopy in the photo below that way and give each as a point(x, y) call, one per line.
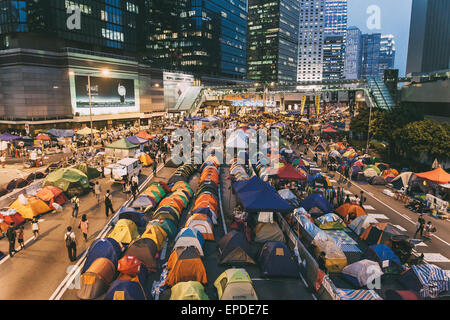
point(103, 248)
point(125, 231)
point(235, 284)
point(8, 137)
point(276, 260)
point(190, 290)
point(288, 172)
point(234, 249)
point(86, 131)
point(317, 200)
point(136, 140)
point(61, 133)
point(439, 176)
point(122, 144)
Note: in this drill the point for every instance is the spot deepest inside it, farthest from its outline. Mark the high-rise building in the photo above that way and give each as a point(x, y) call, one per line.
point(335, 38)
point(370, 64)
point(272, 40)
point(310, 45)
point(429, 36)
point(353, 54)
point(387, 53)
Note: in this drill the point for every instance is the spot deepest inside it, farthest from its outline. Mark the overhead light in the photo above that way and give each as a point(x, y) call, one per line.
point(105, 72)
point(71, 73)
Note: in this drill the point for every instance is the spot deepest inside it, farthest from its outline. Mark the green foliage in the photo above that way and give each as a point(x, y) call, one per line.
point(359, 124)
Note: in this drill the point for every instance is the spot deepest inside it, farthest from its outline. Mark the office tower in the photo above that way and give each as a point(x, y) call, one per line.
point(387, 53)
point(310, 44)
point(370, 64)
point(272, 40)
point(335, 27)
point(353, 54)
point(429, 36)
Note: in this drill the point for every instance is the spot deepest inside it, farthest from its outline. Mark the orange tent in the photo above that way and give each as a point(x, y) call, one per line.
point(380, 233)
point(144, 135)
point(185, 264)
point(439, 176)
point(207, 197)
point(348, 208)
point(205, 204)
point(178, 200)
point(172, 203)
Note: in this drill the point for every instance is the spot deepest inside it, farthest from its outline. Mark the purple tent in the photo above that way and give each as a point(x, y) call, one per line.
point(8, 137)
point(136, 140)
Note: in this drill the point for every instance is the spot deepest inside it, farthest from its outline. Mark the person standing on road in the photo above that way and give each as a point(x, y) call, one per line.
point(98, 191)
point(20, 236)
point(76, 205)
point(3, 160)
point(35, 228)
point(154, 167)
point(108, 203)
point(71, 245)
point(84, 226)
point(420, 226)
point(11, 235)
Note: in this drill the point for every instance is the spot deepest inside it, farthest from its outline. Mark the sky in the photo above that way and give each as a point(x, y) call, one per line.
point(395, 17)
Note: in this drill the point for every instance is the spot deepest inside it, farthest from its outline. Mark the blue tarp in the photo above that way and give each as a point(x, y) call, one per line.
point(8, 137)
point(317, 200)
point(61, 133)
point(381, 252)
point(426, 279)
point(257, 195)
point(103, 248)
point(136, 140)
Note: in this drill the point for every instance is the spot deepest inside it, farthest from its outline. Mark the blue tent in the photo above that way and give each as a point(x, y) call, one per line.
point(133, 215)
point(317, 200)
point(190, 232)
point(8, 137)
point(61, 133)
point(136, 140)
point(257, 195)
point(276, 260)
point(126, 290)
point(103, 248)
point(381, 252)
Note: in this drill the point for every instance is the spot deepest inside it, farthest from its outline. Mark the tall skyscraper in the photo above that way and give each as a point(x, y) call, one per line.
point(335, 27)
point(310, 46)
point(370, 66)
point(272, 40)
point(353, 54)
point(429, 36)
point(387, 53)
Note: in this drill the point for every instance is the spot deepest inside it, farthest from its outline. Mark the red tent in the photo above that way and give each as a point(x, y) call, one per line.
point(43, 137)
point(51, 194)
point(439, 176)
point(329, 130)
point(288, 172)
point(144, 135)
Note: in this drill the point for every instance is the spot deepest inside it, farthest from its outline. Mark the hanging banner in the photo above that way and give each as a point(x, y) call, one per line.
point(317, 104)
point(303, 100)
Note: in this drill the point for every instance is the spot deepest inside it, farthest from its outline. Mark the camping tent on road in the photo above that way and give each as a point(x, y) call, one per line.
point(96, 280)
point(185, 264)
point(30, 207)
point(235, 284)
point(234, 249)
point(276, 260)
point(190, 290)
point(103, 248)
point(125, 231)
point(69, 180)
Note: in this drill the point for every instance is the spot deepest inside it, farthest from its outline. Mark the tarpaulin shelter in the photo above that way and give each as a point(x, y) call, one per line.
point(90, 172)
point(348, 209)
point(426, 279)
point(313, 232)
point(96, 280)
point(235, 284)
point(10, 216)
point(361, 223)
point(266, 232)
point(190, 290)
point(360, 272)
point(145, 159)
point(145, 250)
point(257, 195)
point(276, 260)
point(317, 200)
point(335, 259)
point(121, 149)
point(329, 130)
point(380, 253)
point(61, 132)
point(438, 176)
point(103, 248)
point(234, 249)
point(125, 231)
point(8, 137)
point(52, 194)
point(380, 233)
point(136, 140)
point(288, 172)
point(133, 215)
point(402, 180)
point(330, 221)
point(29, 207)
point(185, 264)
point(202, 223)
point(126, 290)
point(156, 234)
point(69, 180)
point(357, 295)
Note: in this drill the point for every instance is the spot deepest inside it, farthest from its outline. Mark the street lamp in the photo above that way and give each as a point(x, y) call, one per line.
point(105, 73)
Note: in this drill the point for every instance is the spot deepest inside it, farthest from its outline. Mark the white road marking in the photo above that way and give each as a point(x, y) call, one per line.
point(400, 227)
point(435, 257)
point(421, 244)
point(368, 207)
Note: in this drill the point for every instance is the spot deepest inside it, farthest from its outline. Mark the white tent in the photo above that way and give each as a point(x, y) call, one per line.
point(189, 242)
point(361, 223)
point(238, 139)
point(363, 270)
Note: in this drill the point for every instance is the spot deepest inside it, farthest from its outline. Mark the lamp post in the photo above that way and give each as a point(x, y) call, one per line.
point(368, 129)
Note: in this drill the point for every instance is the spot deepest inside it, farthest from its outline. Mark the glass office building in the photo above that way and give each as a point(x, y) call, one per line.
point(387, 53)
point(370, 66)
point(353, 54)
point(333, 57)
point(272, 40)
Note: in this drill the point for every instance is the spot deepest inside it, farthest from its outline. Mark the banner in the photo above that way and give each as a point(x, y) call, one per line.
point(317, 104)
point(303, 100)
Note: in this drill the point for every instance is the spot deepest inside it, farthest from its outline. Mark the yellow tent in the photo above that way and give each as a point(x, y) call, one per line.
point(145, 159)
point(33, 208)
point(124, 231)
point(157, 234)
point(190, 290)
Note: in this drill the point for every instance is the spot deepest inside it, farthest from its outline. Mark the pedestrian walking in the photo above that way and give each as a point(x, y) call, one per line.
point(154, 167)
point(71, 244)
point(76, 205)
point(20, 236)
point(11, 236)
point(98, 191)
point(429, 230)
point(84, 226)
point(420, 225)
point(35, 228)
point(3, 160)
point(108, 203)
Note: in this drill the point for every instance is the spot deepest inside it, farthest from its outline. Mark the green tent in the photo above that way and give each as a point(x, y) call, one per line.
point(91, 173)
point(167, 225)
point(371, 166)
point(190, 290)
point(122, 144)
point(71, 181)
